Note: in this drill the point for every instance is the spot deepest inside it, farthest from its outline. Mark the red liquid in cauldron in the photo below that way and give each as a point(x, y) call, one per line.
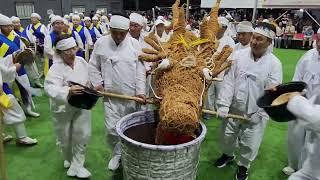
point(146, 133)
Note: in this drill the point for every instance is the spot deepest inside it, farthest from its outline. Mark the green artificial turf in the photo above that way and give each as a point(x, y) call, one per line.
point(44, 162)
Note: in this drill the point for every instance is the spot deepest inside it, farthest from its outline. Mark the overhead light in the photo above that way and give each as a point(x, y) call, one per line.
point(301, 10)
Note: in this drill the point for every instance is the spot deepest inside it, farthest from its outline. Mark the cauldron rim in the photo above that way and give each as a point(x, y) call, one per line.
point(198, 140)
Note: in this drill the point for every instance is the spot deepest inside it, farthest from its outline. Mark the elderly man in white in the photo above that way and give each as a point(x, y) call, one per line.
point(72, 125)
point(114, 67)
point(308, 71)
point(224, 40)
point(244, 35)
point(307, 112)
point(254, 70)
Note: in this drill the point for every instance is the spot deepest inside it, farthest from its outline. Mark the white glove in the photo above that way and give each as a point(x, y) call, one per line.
point(222, 112)
point(165, 63)
point(207, 74)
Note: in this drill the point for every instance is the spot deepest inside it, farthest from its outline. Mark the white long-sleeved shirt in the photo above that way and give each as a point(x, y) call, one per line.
point(308, 71)
point(88, 37)
point(56, 82)
point(7, 70)
point(308, 115)
point(239, 46)
point(247, 79)
point(43, 30)
point(225, 40)
point(118, 67)
point(78, 40)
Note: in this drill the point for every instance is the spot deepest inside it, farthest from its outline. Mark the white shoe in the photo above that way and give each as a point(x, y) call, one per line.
point(288, 171)
point(66, 164)
point(83, 173)
point(38, 84)
point(72, 171)
point(114, 163)
point(79, 172)
point(26, 141)
point(6, 138)
point(29, 112)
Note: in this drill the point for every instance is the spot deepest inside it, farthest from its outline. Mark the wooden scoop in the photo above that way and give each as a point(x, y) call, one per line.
point(284, 98)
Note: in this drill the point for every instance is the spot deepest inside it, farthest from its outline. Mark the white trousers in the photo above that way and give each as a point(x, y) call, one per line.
point(296, 145)
point(244, 137)
point(114, 110)
point(15, 114)
point(73, 130)
point(300, 175)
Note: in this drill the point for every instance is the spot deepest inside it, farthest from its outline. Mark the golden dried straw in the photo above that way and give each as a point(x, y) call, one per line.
point(181, 86)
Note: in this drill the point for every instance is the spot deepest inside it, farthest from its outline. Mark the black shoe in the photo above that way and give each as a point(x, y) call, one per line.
point(223, 161)
point(242, 173)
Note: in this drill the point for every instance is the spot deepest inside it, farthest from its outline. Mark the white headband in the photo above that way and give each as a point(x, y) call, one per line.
point(245, 26)
point(15, 19)
point(35, 15)
point(223, 21)
point(76, 17)
point(66, 44)
point(136, 18)
point(66, 16)
point(66, 22)
point(119, 22)
point(265, 32)
point(86, 19)
point(5, 20)
point(159, 21)
point(56, 18)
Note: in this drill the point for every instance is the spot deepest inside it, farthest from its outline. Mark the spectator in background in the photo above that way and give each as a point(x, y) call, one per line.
point(297, 22)
point(279, 34)
point(308, 33)
point(315, 42)
point(284, 20)
point(271, 19)
point(92, 13)
point(290, 31)
point(245, 18)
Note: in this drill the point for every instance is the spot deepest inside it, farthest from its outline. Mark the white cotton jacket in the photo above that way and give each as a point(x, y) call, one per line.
point(225, 40)
point(308, 71)
point(239, 46)
point(247, 79)
point(88, 37)
point(56, 83)
point(48, 49)
point(7, 69)
point(43, 30)
point(308, 113)
point(78, 40)
point(117, 68)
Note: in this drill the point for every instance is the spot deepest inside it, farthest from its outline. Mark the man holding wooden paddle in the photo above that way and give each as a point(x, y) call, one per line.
point(114, 67)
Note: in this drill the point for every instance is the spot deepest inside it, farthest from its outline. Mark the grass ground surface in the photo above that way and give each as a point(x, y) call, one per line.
point(44, 162)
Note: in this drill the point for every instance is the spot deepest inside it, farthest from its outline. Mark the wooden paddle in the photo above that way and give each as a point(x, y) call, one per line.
point(233, 116)
point(148, 101)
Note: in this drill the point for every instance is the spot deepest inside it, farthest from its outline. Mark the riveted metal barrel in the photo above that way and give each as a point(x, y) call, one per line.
point(148, 161)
